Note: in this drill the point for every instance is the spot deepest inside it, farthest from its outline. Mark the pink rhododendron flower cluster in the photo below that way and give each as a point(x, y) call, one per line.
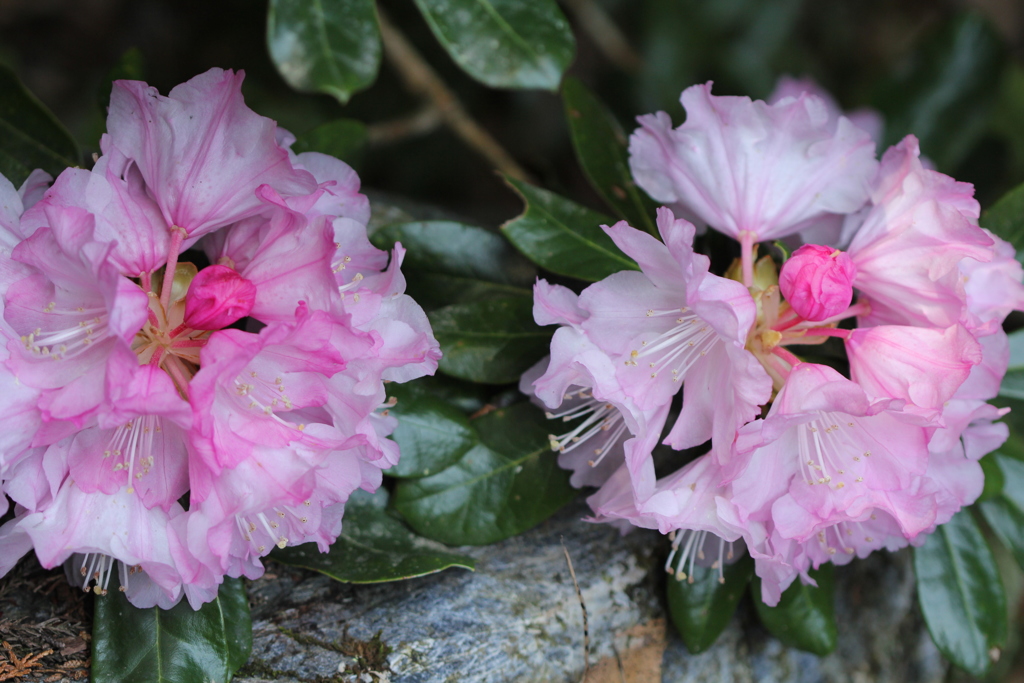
point(196, 332)
point(804, 463)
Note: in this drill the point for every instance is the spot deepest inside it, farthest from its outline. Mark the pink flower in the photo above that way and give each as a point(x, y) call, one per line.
point(924, 367)
point(868, 120)
point(675, 324)
point(123, 390)
point(201, 152)
point(817, 281)
point(751, 170)
point(908, 249)
point(827, 453)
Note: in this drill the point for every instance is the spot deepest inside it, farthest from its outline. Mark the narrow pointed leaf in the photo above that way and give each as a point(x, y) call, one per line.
point(702, 609)
point(492, 341)
point(30, 136)
point(805, 616)
point(344, 139)
point(1004, 511)
point(373, 547)
point(600, 145)
point(507, 484)
point(1005, 218)
point(132, 645)
point(432, 434)
point(564, 237)
point(504, 43)
point(961, 594)
point(327, 46)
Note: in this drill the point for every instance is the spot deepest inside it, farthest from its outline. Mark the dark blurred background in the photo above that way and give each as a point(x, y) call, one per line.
point(863, 51)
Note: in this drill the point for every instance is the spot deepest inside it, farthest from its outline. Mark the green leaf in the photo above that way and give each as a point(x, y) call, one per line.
point(1016, 340)
point(31, 137)
point(448, 262)
point(328, 46)
point(468, 397)
point(946, 95)
point(432, 434)
point(373, 547)
point(961, 594)
point(600, 146)
point(492, 341)
point(131, 66)
point(504, 43)
point(132, 645)
point(995, 480)
point(805, 616)
point(563, 236)
point(1005, 218)
point(506, 485)
point(1004, 511)
point(343, 139)
point(701, 607)
point(457, 249)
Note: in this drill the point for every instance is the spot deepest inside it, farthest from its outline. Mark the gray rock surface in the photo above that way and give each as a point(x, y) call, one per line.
point(517, 618)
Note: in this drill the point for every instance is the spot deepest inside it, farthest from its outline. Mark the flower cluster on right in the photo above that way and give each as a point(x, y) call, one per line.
point(842, 398)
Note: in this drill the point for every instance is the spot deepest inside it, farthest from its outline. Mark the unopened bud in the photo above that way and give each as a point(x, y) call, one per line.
point(217, 297)
point(817, 281)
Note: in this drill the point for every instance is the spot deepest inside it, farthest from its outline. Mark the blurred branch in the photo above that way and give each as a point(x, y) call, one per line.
point(422, 122)
point(605, 34)
point(422, 80)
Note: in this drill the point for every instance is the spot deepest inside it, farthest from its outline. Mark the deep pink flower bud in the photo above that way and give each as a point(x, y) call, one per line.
point(217, 297)
point(817, 281)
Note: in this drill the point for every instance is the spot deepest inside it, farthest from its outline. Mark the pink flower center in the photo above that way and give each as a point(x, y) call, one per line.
point(166, 341)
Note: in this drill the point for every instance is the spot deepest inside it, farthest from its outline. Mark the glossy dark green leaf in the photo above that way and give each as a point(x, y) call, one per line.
point(703, 607)
point(805, 616)
point(1005, 218)
point(946, 95)
point(344, 139)
point(504, 43)
point(30, 136)
point(492, 341)
point(374, 547)
point(328, 46)
point(179, 645)
point(449, 263)
point(131, 66)
point(468, 397)
point(1004, 511)
point(600, 146)
point(509, 483)
point(458, 250)
point(961, 594)
point(564, 237)
point(432, 433)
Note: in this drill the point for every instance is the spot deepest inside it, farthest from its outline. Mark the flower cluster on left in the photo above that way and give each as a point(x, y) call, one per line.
point(196, 336)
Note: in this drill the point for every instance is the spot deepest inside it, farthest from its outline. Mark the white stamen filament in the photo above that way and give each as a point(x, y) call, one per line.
point(600, 417)
point(689, 340)
point(70, 341)
point(691, 552)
